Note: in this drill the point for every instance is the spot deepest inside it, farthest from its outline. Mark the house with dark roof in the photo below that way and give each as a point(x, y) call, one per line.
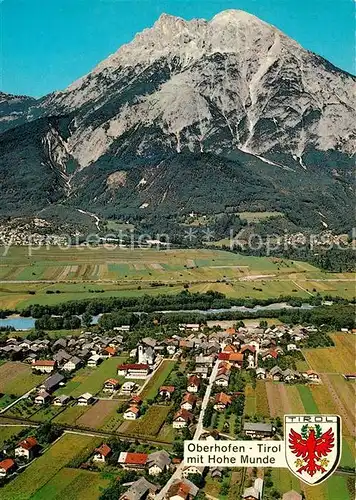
point(140, 489)
point(52, 383)
point(158, 462)
point(258, 429)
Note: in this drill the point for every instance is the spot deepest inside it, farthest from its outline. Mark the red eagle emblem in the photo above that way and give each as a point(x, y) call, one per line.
point(310, 447)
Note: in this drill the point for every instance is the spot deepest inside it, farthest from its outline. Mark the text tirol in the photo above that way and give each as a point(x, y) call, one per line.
point(235, 453)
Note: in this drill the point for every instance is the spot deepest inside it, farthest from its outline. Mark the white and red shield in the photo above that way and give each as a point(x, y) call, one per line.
point(313, 446)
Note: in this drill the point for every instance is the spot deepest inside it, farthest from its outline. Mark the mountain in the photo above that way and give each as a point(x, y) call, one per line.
point(226, 114)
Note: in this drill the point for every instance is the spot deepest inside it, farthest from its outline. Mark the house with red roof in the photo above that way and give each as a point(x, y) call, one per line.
point(134, 370)
point(6, 467)
point(224, 356)
point(182, 419)
point(27, 448)
point(236, 359)
point(102, 453)
point(109, 351)
point(188, 401)
point(132, 413)
point(111, 385)
point(222, 401)
point(166, 391)
point(193, 384)
point(129, 460)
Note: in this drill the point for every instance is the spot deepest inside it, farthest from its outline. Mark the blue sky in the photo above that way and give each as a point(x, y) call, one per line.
point(47, 44)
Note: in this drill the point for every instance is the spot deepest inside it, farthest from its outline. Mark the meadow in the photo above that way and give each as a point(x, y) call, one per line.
point(45, 468)
point(73, 484)
point(17, 378)
point(151, 389)
point(53, 275)
point(337, 359)
point(147, 426)
point(92, 379)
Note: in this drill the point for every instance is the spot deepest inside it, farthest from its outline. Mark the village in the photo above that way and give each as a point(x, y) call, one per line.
point(190, 384)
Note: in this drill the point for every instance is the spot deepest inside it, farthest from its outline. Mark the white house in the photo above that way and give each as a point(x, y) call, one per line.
point(128, 387)
point(193, 384)
point(85, 399)
point(44, 365)
point(42, 398)
point(182, 419)
point(27, 448)
point(192, 469)
point(72, 364)
point(6, 467)
point(94, 360)
point(158, 462)
point(111, 385)
point(134, 370)
point(131, 413)
point(61, 400)
point(102, 453)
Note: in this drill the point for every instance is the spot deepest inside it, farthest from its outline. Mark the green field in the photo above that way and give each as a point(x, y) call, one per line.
point(8, 432)
point(45, 468)
point(56, 275)
point(17, 378)
point(73, 484)
point(147, 426)
point(92, 379)
point(151, 389)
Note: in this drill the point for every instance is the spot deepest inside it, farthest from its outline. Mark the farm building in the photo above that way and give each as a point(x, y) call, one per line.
point(27, 448)
point(94, 360)
point(260, 373)
point(85, 399)
point(52, 383)
point(133, 370)
point(192, 469)
point(129, 460)
point(236, 359)
point(128, 387)
point(61, 400)
point(102, 453)
point(140, 489)
point(193, 327)
point(44, 365)
point(158, 462)
point(42, 398)
point(72, 364)
point(222, 379)
point(258, 429)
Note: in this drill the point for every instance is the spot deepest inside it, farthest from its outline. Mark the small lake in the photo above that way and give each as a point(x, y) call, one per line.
point(20, 323)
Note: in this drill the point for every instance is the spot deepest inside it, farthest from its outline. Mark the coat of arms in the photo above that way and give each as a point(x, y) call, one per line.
point(313, 446)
